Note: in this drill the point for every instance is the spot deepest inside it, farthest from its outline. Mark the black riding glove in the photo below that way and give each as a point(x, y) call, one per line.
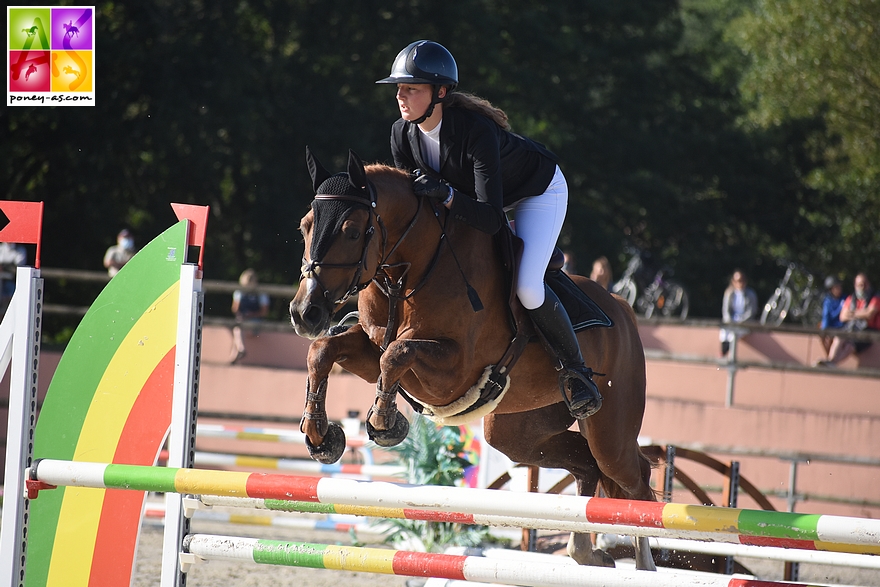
point(429, 187)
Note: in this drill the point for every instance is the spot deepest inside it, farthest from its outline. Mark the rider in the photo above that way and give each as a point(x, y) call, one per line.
point(472, 164)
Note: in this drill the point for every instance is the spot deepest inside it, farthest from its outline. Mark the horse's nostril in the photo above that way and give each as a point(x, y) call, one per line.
point(313, 315)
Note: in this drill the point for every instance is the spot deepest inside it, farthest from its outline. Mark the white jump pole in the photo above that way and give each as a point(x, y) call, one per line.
point(525, 572)
point(609, 535)
point(213, 459)
point(633, 517)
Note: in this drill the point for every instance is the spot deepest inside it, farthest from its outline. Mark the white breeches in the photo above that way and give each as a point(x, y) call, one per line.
point(538, 220)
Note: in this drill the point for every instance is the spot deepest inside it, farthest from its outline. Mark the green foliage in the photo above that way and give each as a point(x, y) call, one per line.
point(818, 59)
point(714, 133)
point(433, 454)
point(433, 457)
point(816, 63)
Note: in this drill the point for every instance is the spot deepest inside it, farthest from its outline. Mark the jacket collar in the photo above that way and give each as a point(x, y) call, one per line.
point(447, 136)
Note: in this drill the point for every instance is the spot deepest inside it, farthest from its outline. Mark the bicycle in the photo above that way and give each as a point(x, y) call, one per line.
point(667, 297)
point(628, 285)
point(795, 297)
point(649, 292)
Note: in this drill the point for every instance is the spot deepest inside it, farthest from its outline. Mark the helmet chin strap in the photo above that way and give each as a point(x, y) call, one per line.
point(434, 100)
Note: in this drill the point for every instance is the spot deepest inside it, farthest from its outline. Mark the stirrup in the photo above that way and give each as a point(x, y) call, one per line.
point(585, 397)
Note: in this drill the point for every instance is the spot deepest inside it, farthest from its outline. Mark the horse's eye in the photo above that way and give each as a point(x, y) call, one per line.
point(352, 234)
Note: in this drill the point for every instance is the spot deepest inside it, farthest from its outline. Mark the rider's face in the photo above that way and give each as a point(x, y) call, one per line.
point(414, 99)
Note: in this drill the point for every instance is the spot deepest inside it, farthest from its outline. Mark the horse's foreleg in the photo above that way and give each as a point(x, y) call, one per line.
point(325, 440)
point(314, 424)
point(386, 426)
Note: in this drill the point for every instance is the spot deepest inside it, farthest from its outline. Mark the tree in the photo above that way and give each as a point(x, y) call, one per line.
point(816, 64)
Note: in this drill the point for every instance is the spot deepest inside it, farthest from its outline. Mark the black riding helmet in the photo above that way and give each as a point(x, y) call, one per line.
point(424, 62)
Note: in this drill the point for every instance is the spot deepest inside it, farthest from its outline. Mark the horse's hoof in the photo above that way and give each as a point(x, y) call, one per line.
point(580, 549)
point(391, 437)
point(606, 560)
point(338, 329)
point(596, 558)
point(331, 448)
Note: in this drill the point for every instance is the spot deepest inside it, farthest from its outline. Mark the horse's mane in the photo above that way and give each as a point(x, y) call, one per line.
point(375, 170)
point(388, 178)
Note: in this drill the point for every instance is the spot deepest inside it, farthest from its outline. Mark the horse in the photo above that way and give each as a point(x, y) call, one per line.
point(70, 29)
point(417, 271)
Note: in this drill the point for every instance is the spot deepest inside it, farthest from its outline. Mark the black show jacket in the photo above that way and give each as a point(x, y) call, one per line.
point(495, 167)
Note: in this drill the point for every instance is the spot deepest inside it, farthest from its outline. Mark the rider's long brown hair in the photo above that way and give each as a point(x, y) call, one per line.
point(478, 105)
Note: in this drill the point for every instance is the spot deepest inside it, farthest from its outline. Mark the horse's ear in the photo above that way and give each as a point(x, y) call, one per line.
point(316, 170)
point(356, 174)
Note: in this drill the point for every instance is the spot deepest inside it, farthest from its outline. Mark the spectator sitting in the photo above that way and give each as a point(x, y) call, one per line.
point(247, 305)
point(120, 253)
point(601, 272)
point(831, 306)
point(860, 312)
point(740, 303)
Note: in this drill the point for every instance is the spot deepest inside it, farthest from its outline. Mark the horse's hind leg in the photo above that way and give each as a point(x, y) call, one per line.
point(541, 438)
point(626, 474)
point(644, 557)
point(580, 545)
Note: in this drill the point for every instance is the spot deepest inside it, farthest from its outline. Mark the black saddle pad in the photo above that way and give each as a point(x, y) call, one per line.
point(582, 310)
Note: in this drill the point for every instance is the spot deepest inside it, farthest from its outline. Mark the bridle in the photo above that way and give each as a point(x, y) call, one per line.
point(389, 289)
point(309, 268)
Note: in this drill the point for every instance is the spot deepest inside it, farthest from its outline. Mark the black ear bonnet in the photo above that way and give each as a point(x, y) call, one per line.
point(331, 213)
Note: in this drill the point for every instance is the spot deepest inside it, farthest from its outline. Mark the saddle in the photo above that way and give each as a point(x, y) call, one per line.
point(583, 312)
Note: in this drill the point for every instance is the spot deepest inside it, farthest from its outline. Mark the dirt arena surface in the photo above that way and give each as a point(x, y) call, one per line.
point(241, 574)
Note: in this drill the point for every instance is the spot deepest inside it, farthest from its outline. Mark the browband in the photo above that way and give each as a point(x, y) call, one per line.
point(371, 190)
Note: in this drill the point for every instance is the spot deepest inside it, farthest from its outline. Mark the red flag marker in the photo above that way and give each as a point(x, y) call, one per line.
point(198, 215)
point(25, 224)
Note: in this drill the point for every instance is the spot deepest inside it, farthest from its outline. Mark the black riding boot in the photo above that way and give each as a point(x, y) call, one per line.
point(575, 377)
